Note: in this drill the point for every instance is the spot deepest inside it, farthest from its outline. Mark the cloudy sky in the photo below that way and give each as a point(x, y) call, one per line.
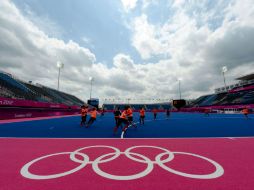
point(134, 49)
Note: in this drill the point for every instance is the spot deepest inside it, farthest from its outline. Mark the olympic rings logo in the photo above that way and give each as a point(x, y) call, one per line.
point(219, 171)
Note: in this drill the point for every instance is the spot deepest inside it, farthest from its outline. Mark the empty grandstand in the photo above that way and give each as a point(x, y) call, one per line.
point(21, 99)
point(240, 94)
point(17, 89)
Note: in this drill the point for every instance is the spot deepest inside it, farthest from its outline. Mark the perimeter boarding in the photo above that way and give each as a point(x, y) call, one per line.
point(245, 111)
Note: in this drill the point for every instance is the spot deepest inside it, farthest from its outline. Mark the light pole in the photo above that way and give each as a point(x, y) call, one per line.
point(224, 70)
point(60, 65)
point(91, 82)
point(179, 86)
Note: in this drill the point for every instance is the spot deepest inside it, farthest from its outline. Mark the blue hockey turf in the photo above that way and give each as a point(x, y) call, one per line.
point(178, 125)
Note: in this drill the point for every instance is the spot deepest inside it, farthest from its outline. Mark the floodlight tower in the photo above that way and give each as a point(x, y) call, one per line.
point(179, 86)
point(91, 79)
point(224, 69)
point(60, 65)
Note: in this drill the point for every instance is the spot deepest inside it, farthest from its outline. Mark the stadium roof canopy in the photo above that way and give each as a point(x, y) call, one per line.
point(246, 77)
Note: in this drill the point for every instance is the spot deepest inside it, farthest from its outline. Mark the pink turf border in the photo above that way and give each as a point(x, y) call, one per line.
point(234, 155)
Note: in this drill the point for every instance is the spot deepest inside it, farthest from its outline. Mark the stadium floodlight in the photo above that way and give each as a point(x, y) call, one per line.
point(224, 69)
point(91, 79)
point(179, 85)
point(60, 65)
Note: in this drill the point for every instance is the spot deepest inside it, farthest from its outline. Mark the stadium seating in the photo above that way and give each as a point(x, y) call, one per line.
point(5, 92)
point(208, 100)
point(13, 82)
point(218, 98)
point(235, 98)
point(248, 98)
point(198, 101)
point(42, 95)
point(17, 89)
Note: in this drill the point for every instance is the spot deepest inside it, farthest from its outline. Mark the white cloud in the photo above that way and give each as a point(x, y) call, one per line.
point(241, 12)
point(192, 51)
point(145, 38)
point(147, 3)
point(123, 62)
point(29, 53)
point(178, 3)
point(129, 4)
point(196, 48)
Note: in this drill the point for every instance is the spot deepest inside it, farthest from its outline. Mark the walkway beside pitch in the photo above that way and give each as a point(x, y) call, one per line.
point(200, 163)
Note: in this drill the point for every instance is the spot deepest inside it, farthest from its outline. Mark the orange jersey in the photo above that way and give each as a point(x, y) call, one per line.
point(155, 111)
point(129, 112)
point(142, 112)
point(84, 111)
point(124, 115)
point(93, 113)
point(245, 111)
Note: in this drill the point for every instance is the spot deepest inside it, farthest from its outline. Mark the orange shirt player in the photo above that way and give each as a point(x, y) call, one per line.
point(123, 119)
point(207, 111)
point(130, 116)
point(93, 115)
point(154, 113)
point(84, 111)
point(142, 116)
point(245, 112)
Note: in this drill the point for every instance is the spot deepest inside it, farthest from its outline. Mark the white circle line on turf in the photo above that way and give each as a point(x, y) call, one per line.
point(25, 169)
point(131, 155)
point(217, 173)
point(148, 169)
